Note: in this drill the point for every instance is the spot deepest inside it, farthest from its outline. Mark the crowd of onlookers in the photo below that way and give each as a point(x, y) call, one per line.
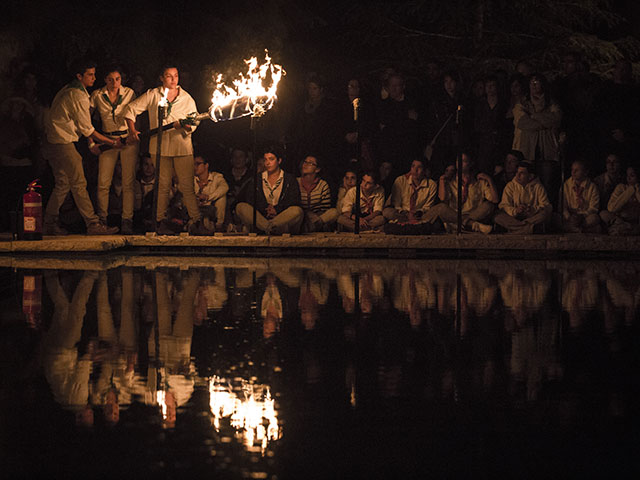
point(537, 154)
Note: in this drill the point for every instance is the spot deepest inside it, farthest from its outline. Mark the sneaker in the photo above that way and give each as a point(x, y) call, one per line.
point(98, 228)
point(54, 229)
point(127, 227)
point(481, 227)
point(198, 228)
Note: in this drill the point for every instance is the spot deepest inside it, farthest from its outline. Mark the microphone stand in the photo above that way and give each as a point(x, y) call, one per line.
point(358, 212)
point(459, 166)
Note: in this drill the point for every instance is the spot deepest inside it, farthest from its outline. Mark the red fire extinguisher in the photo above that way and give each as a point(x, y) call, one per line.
point(32, 298)
point(32, 213)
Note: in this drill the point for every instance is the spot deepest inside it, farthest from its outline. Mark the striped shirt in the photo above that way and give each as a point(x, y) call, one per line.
point(318, 200)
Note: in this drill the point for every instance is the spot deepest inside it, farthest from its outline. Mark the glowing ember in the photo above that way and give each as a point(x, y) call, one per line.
point(254, 420)
point(252, 94)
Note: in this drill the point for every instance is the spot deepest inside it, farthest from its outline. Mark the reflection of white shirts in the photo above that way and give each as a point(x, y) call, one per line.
point(175, 142)
point(523, 291)
point(112, 114)
point(69, 116)
point(271, 300)
point(272, 192)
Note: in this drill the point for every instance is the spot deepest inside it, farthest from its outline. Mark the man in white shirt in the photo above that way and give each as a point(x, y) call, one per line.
point(412, 194)
point(67, 119)
point(371, 205)
point(211, 191)
point(524, 202)
point(177, 149)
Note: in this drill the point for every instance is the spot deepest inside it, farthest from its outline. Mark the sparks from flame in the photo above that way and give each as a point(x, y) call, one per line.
point(249, 95)
point(248, 415)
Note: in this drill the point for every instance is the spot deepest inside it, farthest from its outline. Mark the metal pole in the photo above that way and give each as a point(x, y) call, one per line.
point(254, 121)
point(358, 212)
point(161, 115)
point(459, 167)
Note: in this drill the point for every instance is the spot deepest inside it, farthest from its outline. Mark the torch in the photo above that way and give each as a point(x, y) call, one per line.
point(162, 113)
point(358, 212)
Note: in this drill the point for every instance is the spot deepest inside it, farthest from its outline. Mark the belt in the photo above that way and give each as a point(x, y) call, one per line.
point(117, 134)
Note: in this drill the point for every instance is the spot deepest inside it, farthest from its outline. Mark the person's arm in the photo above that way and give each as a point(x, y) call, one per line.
point(542, 201)
point(442, 188)
point(135, 108)
point(619, 198)
point(431, 195)
point(492, 193)
point(348, 201)
point(396, 195)
point(220, 188)
point(290, 195)
point(594, 199)
point(507, 204)
point(522, 119)
point(549, 118)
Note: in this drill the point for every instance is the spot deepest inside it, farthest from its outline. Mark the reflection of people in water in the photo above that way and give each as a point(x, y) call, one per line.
point(67, 372)
point(624, 292)
point(413, 292)
point(314, 292)
point(580, 294)
point(370, 289)
point(523, 293)
point(212, 293)
point(169, 379)
point(271, 309)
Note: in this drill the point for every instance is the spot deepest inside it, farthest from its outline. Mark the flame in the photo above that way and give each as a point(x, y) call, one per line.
point(255, 420)
point(164, 101)
point(161, 399)
point(249, 95)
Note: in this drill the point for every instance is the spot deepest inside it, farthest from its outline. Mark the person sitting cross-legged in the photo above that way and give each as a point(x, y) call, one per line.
point(580, 202)
point(411, 196)
point(479, 197)
point(315, 198)
point(277, 199)
point(211, 192)
point(371, 205)
point(622, 215)
point(524, 202)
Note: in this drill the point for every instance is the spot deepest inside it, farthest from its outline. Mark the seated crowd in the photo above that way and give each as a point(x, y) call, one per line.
point(515, 137)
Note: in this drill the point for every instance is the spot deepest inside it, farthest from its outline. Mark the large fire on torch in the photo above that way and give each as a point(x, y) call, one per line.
point(252, 94)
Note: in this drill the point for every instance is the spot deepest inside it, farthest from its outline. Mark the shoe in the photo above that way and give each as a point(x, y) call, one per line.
point(198, 228)
point(481, 227)
point(165, 227)
point(98, 228)
point(127, 227)
point(54, 229)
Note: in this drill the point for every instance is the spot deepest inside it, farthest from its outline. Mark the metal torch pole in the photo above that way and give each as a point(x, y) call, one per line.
point(358, 212)
point(161, 115)
point(254, 121)
point(459, 167)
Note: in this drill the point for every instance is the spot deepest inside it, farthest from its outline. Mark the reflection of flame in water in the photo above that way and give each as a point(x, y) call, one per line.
point(255, 420)
point(249, 95)
point(161, 399)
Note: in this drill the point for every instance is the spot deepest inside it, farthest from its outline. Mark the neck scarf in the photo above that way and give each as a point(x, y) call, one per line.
point(271, 190)
point(113, 105)
point(579, 190)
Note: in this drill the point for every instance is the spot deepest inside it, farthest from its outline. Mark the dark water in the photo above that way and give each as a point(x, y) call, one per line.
point(314, 368)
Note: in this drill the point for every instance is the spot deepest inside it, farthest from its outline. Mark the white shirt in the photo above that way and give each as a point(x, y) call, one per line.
point(112, 115)
point(272, 192)
point(401, 191)
point(376, 198)
point(69, 115)
point(175, 142)
point(215, 188)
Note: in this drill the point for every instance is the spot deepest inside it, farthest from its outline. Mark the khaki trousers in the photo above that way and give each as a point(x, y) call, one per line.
point(107, 162)
point(482, 213)
point(513, 225)
point(66, 164)
point(287, 221)
point(182, 167)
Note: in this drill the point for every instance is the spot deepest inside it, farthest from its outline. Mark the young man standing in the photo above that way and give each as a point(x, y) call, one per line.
point(177, 149)
point(69, 118)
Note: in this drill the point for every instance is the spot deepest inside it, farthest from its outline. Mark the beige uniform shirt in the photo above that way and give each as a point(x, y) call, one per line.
point(590, 196)
point(176, 142)
point(112, 115)
point(401, 191)
point(69, 116)
point(532, 194)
